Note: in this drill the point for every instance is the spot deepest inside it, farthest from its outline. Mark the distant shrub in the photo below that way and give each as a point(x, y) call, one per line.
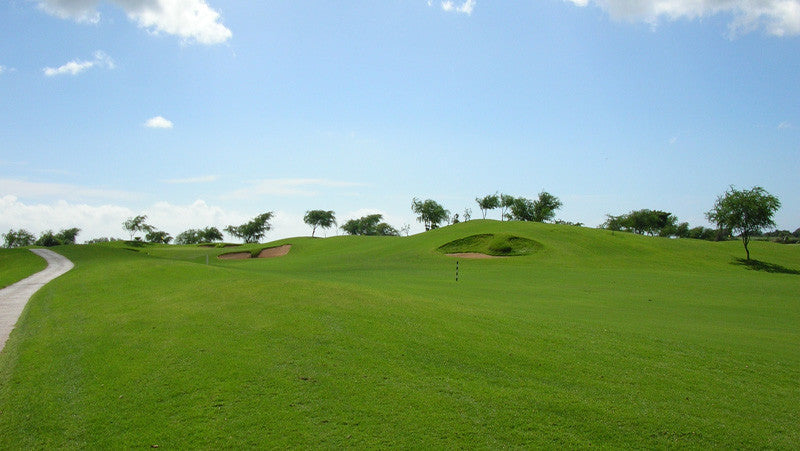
point(18, 238)
point(47, 239)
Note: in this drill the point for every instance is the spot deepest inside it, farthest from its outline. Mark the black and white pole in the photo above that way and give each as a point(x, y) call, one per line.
point(456, 270)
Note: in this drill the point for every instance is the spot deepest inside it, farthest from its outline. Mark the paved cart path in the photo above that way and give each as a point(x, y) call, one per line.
point(13, 298)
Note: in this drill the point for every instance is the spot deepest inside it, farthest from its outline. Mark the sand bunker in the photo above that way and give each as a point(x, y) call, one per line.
point(271, 252)
point(235, 256)
point(473, 255)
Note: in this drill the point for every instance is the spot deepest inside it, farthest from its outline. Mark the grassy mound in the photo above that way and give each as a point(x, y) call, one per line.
point(17, 264)
point(497, 244)
point(602, 340)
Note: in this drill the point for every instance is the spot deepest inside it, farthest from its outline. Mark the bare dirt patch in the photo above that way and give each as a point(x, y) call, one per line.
point(273, 252)
point(473, 255)
point(235, 256)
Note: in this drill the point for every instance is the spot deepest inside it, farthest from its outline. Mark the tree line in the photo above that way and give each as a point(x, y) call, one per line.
point(742, 213)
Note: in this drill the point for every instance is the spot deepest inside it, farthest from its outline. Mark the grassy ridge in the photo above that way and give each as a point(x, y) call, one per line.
point(595, 339)
point(17, 264)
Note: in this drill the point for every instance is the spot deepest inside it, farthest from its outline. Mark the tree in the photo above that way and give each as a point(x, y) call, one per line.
point(209, 235)
point(430, 213)
point(191, 236)
point(19, 238)
point(67, 236)
point(251, 232)
point(486, 203)
point(319, 218)
point(136, 224)
point(157, 236)
point(744, 212)
point(544, 208)
point(521, 209)
point(369, 225)
point(506, 201)
point(651, 222)
point(47, 239)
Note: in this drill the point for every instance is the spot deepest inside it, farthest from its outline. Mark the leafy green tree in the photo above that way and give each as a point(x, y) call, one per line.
point(744, 212)
point(544, 208)
point(486, 203)
point(506, 201)
point(702, 233)
point(369, 225)
point(209, 235)
point(18, 238)
point(136, 225)
point(191, 236)
point(521, 209)
point(319, 218)
point(651, 222)
point(430, 212)
point(157, 236)
point(68, 236)
point(253, 231)
point(384, 229)
point(47, 239)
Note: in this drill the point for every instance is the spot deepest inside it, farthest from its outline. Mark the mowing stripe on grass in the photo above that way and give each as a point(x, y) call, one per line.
point(13, 298)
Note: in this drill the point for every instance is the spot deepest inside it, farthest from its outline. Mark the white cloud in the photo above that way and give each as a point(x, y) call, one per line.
point(106, 220)
point(286, 187)
point(464, 8)
point(75, 67)
point(2, 69)
point(94, 221)
point(785, 125)
point(776, 17)
point(158, 122)
point(201, 179)
point(192, 20)
point(23, 188)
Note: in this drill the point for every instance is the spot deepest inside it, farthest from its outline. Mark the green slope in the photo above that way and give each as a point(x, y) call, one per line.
point(596, 338)
point(17, 264)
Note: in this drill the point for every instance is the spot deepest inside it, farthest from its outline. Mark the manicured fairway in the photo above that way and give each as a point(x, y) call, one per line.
point(17, 264)
point(594, 339)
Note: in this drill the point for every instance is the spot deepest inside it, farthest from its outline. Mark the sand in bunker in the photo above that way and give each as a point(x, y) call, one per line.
point(473, 255)
point(279, 251)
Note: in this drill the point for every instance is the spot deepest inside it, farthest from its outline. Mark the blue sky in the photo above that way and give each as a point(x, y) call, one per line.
point(208, 113)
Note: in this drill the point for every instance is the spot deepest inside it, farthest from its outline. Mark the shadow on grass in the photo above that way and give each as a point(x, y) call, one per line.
point(757, 265)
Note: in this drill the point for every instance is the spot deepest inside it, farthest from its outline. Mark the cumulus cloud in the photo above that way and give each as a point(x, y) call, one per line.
point(776, 17)
point(192, 20)
point(106, 220)
point(75, 67)
point(286, 187)
point(158, 122)
point(464, 8)
point(94, 221)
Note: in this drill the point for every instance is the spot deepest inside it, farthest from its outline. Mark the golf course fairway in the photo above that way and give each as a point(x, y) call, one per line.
point(582, 338)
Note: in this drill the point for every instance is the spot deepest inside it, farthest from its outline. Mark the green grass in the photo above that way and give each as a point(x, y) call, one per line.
point(17, 264)
point(596, 339)
point(500, 244)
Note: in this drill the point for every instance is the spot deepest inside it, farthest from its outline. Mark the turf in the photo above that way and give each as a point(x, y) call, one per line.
point(596, 339)
point(17, 264)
